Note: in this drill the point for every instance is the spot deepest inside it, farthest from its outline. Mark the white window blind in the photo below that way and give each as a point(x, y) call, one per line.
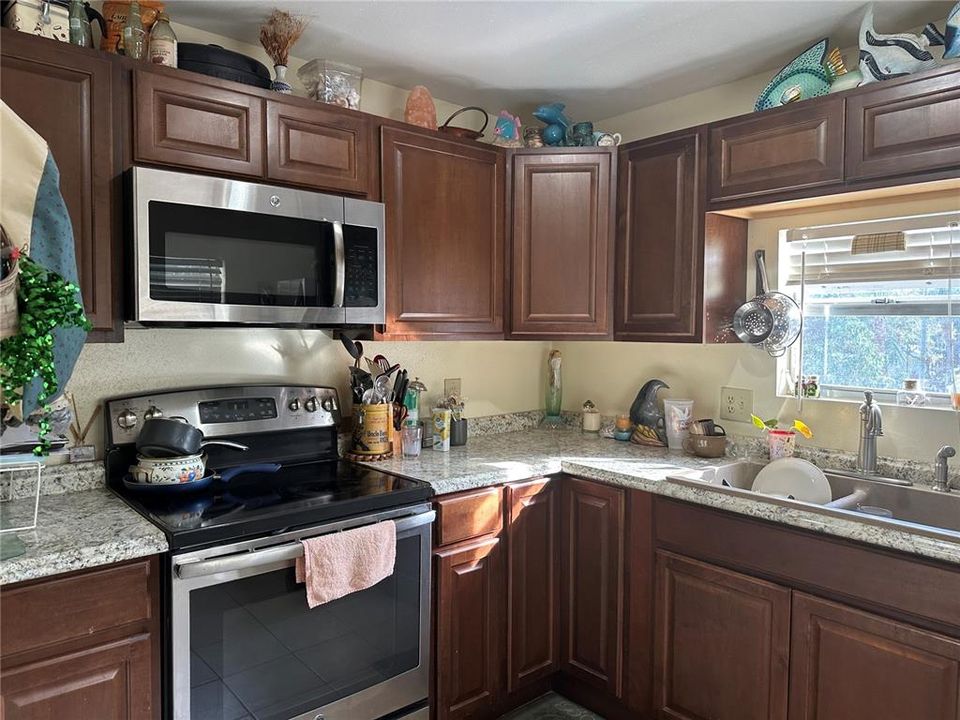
point(822, 255)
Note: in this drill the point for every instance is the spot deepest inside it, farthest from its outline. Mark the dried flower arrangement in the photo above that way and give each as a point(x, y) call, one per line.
point(280, 33)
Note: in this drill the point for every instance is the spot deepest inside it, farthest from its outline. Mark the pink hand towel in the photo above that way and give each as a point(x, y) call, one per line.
point(345, 562)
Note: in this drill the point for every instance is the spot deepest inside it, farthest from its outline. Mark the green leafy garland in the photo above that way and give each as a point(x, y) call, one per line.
point(46, 301)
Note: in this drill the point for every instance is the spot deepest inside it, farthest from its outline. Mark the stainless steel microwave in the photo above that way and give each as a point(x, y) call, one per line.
point(209, 251)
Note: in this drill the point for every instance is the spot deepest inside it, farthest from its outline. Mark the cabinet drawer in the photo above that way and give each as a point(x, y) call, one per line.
point(777, 151)
point(317, 148)
point(58, 610)
point(469, 515)
point(905, 129)
point(195, 125)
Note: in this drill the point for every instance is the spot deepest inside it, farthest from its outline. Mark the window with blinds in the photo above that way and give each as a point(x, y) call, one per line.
point(880, 301)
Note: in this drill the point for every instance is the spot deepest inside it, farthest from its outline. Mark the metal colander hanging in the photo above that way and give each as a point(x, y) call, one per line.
point(771, 320)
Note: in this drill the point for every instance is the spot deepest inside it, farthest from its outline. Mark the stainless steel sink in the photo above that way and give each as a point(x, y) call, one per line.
point(854, 498)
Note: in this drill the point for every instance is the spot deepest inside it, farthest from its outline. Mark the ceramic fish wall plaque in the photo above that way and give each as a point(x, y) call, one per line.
point(802, 78)
point(885, 56)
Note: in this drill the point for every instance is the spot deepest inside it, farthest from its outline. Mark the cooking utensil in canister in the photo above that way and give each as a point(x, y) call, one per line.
point(355, 350)
point(462, 132)
point(770, 320)
point(174, 437)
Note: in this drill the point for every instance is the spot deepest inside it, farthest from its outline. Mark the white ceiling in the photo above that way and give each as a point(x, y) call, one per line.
point(601, 58)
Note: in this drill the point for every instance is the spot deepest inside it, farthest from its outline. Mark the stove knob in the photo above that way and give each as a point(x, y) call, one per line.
point(310, 405)
point(152, 413)
point(127, 419)
point(294, 405)
point(327, 404)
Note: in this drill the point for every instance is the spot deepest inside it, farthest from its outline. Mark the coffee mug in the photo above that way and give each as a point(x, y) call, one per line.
point(707, 446)
point(709, 427)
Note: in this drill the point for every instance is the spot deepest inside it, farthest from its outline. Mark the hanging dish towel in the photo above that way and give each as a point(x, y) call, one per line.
point(346, 562)
point(35, 219)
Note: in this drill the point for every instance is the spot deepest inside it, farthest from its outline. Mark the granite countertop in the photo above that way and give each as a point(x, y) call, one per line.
point(512, 456)
point(77, 530)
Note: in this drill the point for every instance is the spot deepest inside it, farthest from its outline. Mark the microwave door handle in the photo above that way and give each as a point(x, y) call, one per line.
point(340, 264)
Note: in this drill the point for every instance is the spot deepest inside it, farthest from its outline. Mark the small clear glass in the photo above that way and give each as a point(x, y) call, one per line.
point(411, 438)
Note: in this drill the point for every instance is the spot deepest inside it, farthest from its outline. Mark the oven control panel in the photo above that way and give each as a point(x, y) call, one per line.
point(228, 410)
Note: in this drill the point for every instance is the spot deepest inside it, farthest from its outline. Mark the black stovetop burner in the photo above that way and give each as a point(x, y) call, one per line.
point(265, 503)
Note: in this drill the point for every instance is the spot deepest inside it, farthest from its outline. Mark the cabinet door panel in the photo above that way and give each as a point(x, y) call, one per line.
point(317, 148)
point(444, 236)
point(195, 125)
point(532, 582)
point(69, 97)
point(560, 244)
point(660, 244)
point(591, 602)
point(851, 665)
point(777, 151)
point(904, 129)
point(108, 682)
point(722, 643)
point(469, 629)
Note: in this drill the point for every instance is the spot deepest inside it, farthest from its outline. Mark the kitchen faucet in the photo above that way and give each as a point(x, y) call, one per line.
point(941, 482)
point(871, 427)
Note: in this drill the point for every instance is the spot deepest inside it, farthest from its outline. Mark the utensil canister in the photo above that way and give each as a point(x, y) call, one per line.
point(373, 431)
point(442, 418)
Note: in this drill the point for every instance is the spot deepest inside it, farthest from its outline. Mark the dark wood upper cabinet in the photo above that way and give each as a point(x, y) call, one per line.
point(591, 597)
point(71, 97)
point(680, 274)
point(469, 630)
point(99, 661)
point(193, 124)
point(722, 644)
point(905, 129)
point(532, 581)
point(775, 151)
point(851, 665)
point(561, 243)
point(317, 148)
point(445, 228)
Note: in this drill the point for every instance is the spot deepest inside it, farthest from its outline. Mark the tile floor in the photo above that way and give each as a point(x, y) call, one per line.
point(551, 707)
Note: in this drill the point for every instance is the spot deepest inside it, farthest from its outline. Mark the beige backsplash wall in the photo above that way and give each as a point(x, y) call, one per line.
point(610, 373)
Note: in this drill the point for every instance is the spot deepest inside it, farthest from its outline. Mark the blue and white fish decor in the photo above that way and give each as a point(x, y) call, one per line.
point(555, 133)
point(506, 133)
point(951, 36)
point(802, 78)
point(883, 57)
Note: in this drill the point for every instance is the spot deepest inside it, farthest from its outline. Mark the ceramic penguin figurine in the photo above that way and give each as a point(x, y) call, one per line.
point(888, 56)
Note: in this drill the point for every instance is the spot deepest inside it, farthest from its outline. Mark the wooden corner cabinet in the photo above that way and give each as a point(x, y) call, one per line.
point(680, 273)
point(562, 209)
point(71, 97)
point(84, 646)
point(445, 230)
point(783, 149)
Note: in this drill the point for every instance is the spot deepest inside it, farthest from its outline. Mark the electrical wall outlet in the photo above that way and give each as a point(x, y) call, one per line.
point(451, 386)
point(736, 404)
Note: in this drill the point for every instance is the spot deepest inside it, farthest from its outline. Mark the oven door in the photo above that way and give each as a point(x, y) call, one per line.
point(211, 250)
point(246, 646)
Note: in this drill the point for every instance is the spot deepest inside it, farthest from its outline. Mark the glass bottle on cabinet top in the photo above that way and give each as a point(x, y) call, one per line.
point(134, 35)
point(163, 43)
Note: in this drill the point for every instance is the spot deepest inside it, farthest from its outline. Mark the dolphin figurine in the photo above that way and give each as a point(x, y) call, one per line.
point(552, 114)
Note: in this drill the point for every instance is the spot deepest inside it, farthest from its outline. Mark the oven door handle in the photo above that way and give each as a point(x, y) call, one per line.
point(340, 264)
point(279, 553)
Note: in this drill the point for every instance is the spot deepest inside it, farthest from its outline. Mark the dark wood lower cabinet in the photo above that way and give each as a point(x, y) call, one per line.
point(84, 646)
point(852, 665)
point(591, 595)
point(470, 639)
point(532, 582)
point(722, 643)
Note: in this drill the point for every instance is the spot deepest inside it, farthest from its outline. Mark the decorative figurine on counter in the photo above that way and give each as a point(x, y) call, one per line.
point(554, 395)
point(802, 78)
point(506, 133)
point(645, 413)
point(555, 133)
point(883, 57)
point(420, 109)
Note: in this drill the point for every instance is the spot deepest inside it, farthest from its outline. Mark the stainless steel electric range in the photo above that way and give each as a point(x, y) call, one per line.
point(241, 643)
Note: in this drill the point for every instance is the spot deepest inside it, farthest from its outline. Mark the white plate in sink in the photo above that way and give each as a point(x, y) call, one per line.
point(796, 478)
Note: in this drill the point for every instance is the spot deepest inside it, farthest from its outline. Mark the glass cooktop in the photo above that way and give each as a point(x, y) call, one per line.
point(261, 503)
